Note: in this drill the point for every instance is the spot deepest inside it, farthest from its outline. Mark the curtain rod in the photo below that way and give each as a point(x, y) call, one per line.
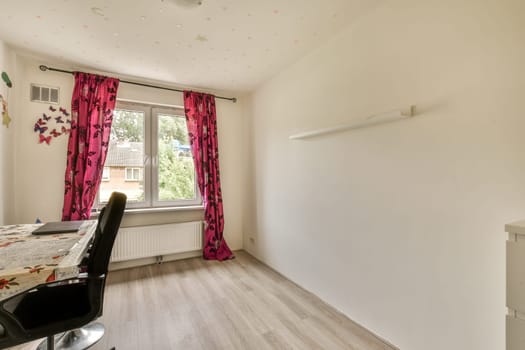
point(44, 68)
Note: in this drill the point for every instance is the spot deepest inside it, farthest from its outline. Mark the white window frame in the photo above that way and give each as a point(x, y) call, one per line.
point(177, 112)
point(128, 106)
point(108, 177)
point(150, 169)
point(132, 178)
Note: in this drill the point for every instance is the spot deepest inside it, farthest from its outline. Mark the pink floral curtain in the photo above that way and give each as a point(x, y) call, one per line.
point(92, 106)
point(201, 120)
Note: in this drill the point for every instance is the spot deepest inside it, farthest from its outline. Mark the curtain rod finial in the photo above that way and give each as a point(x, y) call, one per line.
point(234, 100)
point(43, 68)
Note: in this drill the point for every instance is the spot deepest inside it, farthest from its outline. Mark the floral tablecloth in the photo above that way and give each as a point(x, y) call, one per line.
point(27, 260)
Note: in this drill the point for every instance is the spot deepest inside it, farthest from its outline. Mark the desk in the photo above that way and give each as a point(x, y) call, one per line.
point(27, 260)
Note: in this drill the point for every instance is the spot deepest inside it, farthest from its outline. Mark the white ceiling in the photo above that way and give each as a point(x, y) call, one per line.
point(229, 45)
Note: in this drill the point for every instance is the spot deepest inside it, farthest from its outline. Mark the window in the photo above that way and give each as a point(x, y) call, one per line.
point(132, 174)
point(105, 174)
point(149, 158)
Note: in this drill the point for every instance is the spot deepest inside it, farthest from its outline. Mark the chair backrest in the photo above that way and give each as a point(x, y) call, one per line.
point(76, 312)
point(107, 228)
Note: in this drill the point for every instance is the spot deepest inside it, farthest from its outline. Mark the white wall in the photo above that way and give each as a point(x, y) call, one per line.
point(399, 226)
point(8, 65)
point(39, 168)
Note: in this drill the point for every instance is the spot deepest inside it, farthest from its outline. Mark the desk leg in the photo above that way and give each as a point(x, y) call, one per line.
point(76, 339)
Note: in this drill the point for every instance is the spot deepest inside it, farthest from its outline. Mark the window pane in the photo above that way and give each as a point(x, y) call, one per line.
point(105, 174)
point(133, 174)
point(125, 159)
point(176, 173)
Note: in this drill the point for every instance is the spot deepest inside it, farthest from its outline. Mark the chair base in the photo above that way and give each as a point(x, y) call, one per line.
point(76, 339)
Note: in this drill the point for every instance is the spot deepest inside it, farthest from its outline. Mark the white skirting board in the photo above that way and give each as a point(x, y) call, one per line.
point(157, 241)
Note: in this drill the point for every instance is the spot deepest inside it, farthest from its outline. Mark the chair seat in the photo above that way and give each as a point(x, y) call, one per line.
point(52, 305)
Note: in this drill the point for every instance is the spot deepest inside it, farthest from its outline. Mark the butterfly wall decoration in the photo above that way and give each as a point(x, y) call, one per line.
point(40, 129)
point(64, 112)
point(55, 123)
point(46, 139)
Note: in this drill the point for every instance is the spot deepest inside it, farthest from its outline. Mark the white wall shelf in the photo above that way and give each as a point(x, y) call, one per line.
point(372, 120)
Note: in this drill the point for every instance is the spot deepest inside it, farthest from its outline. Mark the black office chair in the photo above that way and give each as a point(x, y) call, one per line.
point(54, 308)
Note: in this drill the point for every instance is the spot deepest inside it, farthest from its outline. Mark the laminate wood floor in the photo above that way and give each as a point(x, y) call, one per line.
point(237, 304)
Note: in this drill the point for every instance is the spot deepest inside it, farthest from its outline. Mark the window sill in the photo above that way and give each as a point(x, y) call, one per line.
point(156, 210)
point(163, 210)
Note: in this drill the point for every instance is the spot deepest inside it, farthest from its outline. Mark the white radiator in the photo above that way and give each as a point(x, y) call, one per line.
point(156, 240)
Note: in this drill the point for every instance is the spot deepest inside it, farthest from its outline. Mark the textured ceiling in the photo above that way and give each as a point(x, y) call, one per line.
point(229, 45)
